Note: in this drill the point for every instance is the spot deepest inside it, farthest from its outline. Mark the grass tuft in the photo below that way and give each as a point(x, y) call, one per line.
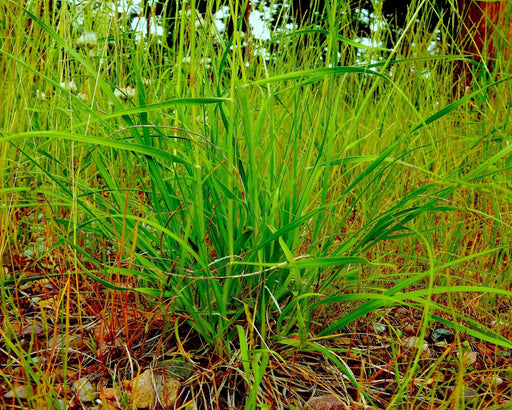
point(332, 218)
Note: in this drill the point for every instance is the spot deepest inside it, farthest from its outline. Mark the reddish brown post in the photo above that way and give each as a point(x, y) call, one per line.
point(486, 31)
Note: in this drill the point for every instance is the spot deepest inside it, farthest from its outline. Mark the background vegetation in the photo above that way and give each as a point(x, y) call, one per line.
point(330, 218)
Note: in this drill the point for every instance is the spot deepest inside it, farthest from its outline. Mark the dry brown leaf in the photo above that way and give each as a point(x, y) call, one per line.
point(342, 341)
point(36, 285)
point(50, 303)
point(484, 349)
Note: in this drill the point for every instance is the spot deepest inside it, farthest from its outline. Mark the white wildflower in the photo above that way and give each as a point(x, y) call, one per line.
point(202, 118)
point(83, 96)
point(87, 39)
point(40, 95)
point(70, 86)
point(123, 93)
point(199, 22)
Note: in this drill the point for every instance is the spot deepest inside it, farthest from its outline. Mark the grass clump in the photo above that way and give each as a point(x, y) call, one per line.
point(268, 230)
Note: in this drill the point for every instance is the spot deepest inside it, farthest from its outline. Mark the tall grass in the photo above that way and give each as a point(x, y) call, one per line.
point(268, 204)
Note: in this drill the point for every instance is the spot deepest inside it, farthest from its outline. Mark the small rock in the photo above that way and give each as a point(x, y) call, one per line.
point(402, 311)
point(327, 402)
point(20, 392)
point(469, 393)
point(468, 357)
point(191, 406)
point(85, 390)
point(150, 389)
point(413, 342)
point(60, 342)
point(379, 328)
point(409, 329)
point(111, 393)
point(62, 404)
point(492, 380)
point(440, 335)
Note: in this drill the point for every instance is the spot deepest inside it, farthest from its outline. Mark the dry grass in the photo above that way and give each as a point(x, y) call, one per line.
point(70, 327)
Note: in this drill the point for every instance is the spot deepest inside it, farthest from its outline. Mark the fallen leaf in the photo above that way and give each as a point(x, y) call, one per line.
point(484, 349)
point(50, 303)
